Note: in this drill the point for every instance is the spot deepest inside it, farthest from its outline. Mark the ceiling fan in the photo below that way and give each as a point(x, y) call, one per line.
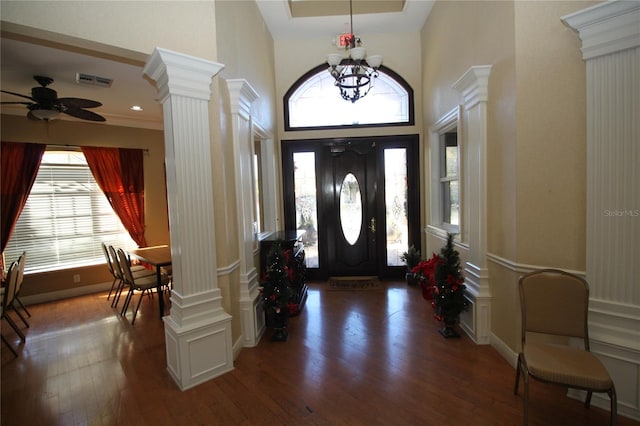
point(47, 106)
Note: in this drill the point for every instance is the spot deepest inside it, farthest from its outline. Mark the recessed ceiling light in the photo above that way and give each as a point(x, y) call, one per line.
point(136, 108)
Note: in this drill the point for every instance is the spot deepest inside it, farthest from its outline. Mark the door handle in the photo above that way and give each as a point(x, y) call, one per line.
point(372, 224)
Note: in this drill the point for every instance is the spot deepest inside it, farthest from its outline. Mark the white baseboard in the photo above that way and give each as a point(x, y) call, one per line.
point(65, 294)
point(237, 347)
point(504, 350)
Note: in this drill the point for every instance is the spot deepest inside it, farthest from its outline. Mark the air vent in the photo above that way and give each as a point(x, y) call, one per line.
point(93, 80)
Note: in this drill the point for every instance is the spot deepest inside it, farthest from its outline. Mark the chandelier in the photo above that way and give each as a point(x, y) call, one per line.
point(353, 74)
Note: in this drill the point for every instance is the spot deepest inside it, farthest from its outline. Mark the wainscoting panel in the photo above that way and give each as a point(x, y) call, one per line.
point(610, 38)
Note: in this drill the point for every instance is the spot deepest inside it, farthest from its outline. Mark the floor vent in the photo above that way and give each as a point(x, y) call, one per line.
point(93, 80)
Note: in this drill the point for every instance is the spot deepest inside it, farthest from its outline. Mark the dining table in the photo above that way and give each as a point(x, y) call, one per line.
point(158, 256)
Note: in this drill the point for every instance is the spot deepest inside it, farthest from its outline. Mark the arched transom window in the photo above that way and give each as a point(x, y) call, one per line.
point(314, 102)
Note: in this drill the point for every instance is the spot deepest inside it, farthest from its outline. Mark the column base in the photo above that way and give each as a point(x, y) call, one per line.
point(198, 351)
point(476, 322)
point(252, 321)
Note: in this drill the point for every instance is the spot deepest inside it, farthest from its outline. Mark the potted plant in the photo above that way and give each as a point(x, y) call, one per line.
point(411, 258)
point(277, 292)
point(442, 282)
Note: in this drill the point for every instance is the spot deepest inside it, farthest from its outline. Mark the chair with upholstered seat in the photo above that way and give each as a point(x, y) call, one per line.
point(22, 260)
point(142, 283)
point(4, 340)
point(107, 257)
point(555, 303)
point(137, 270)
point(8, 298)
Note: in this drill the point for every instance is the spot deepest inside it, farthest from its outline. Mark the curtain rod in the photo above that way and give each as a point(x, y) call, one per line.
point(78, 147)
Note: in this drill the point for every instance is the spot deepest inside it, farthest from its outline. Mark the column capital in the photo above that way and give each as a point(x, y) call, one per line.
point(179, 74)
point(606, 27)
point(241, 95)
point(474, 85)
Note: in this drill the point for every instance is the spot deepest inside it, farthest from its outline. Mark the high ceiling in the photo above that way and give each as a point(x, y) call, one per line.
point(307, 8)
point(316, 18)
point(22, 59)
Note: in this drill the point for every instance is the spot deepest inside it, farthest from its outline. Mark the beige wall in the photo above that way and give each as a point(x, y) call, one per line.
point(551, 137)
point(536, 133)
point(456, 36)
point(246, 50)
point(21, 129)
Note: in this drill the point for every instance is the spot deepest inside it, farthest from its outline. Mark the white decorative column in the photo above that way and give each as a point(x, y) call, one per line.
point(241, 95)
point(474, 89)
point(610, 34)
point(198, 331)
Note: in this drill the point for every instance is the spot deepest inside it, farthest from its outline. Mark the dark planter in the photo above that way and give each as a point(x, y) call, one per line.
point(449, 331)
point(427, 290)
point(280, 321)
point(411, 278)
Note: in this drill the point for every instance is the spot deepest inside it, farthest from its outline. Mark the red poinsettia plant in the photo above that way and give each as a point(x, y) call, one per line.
point(442, 283)
point(425, 271)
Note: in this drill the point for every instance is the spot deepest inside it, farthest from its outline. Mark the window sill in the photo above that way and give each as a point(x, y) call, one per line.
point(442, 230)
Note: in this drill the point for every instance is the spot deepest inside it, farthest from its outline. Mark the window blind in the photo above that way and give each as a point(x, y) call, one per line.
point(66, 218)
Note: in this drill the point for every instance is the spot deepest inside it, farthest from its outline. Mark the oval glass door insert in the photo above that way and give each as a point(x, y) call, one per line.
point(351, 208)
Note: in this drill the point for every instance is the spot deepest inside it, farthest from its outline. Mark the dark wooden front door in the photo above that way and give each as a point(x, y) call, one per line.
point(357, 200)
point(350, 201)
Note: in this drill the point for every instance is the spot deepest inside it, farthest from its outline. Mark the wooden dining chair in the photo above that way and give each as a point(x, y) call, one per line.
point(556, 303)
point(142, 283)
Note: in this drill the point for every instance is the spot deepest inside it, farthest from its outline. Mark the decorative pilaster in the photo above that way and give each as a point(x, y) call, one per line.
point(474, 89)
point(610, 34)
point(198, 331)
point(241, 96)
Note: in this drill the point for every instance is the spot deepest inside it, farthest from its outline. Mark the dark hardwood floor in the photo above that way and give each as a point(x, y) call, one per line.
point(352, 358)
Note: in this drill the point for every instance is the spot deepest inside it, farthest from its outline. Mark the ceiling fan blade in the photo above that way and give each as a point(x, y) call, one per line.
point(78, 103)
point(17, 94)
point(16, 103)
point(83, 114)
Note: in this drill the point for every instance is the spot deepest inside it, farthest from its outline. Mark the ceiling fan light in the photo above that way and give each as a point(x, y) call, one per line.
point(45, 114)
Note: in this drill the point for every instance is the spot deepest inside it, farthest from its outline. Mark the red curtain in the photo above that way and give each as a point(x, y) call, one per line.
point(120, 174)
point(20, 164)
